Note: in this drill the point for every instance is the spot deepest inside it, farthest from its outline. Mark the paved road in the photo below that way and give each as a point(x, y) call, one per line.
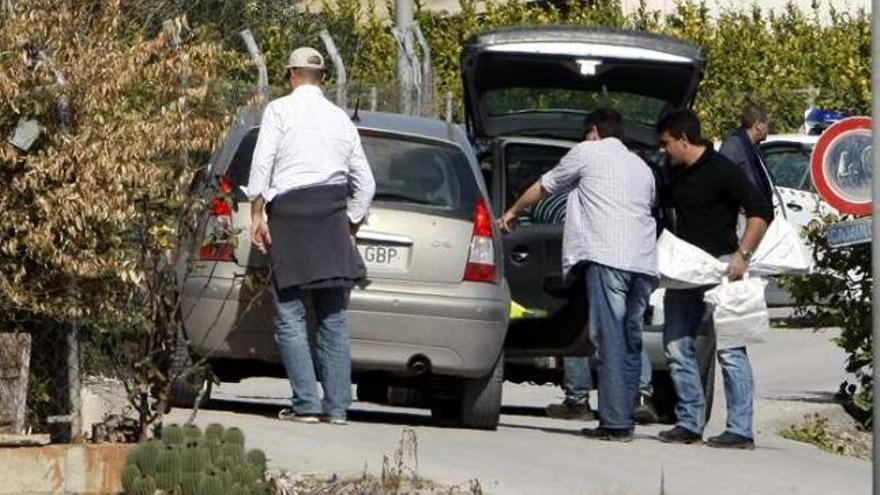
point(796, 372)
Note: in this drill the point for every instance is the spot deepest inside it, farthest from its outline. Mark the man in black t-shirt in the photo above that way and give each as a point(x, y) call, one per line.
point(707, 192)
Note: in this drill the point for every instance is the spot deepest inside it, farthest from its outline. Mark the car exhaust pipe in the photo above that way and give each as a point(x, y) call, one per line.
point(418, 365)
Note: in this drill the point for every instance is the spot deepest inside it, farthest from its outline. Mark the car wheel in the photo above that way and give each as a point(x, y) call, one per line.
point(481, 399)
point(191, 384)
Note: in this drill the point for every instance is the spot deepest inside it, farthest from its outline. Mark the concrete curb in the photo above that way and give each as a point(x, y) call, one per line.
point(78, 469)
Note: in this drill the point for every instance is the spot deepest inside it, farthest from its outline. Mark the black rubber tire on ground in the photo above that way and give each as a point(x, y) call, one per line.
point(185, 390)
point(481, 399)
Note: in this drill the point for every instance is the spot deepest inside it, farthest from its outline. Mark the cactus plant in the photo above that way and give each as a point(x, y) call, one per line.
point(234, 435)
point(213, 445)
point(244, 474)
point(239, 489)
point(144, 486)
point(194, 459)
point(173, 435)
point(192, 432)
point(233, 451)
point(186, 461)
point(189, 483)
point(256, 457)
point(214, 431)
point(129, 476)
point(146, 457)
point(169, 460)
point(211, 485)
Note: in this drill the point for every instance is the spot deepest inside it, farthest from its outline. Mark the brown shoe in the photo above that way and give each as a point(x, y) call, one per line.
point(570, 411)
point(680, 435)
point(609, 434)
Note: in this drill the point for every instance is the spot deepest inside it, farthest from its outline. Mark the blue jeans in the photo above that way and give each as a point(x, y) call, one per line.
point(578, 380)
point(684, 312)
point(617, 302)
point(333, 352)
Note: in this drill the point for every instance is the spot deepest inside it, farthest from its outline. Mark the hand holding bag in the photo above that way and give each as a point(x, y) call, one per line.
point(739, 311)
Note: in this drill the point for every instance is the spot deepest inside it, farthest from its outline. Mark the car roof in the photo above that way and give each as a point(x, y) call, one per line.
point(792, 138)
point(407, 124)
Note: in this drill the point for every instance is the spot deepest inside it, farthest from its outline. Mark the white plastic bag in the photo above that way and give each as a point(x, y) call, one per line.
point(781, 251)
point(683, 265)
point(739, 312)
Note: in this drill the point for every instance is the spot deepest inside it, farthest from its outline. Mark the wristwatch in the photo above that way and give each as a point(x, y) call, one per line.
point(746, 254)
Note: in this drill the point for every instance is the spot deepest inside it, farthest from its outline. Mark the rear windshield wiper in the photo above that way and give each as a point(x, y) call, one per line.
point(389, 196)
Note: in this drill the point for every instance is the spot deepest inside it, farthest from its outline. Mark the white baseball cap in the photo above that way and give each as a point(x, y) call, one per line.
point(305, 57)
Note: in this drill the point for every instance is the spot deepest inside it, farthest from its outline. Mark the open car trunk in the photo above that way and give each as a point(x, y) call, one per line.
point(541, 81)
point(527, 91)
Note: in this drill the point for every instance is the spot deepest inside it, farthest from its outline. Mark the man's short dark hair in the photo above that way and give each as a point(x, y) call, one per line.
point(752, 114)
point(607, 121)
point(314, 75)
point(680, 123)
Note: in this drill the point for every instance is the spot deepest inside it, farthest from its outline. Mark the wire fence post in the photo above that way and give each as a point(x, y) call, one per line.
point(341, 77)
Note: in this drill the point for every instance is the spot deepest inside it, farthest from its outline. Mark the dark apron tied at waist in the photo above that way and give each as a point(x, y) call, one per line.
point(311, 239)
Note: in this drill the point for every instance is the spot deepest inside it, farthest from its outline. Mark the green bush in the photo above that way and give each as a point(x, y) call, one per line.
point(777, 58)
point(839, 294)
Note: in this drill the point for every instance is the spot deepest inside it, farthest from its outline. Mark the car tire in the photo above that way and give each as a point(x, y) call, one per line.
point(481, 399)
point(191, 384)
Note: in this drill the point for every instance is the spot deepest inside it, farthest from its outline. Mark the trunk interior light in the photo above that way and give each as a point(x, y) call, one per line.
point(588, 67)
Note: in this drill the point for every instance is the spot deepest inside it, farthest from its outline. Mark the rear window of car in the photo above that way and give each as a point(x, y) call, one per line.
point(789, 165)
point(411, 174)
point(638, 108)
point(423, 176)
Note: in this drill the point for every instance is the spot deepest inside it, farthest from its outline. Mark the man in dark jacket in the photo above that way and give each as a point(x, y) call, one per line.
point(741, 147)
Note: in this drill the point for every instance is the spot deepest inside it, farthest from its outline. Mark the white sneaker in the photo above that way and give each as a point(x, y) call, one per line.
point(287, 414)
point(335, 420)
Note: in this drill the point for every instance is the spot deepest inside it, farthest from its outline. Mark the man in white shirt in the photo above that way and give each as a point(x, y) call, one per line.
point(610, 231)
point(310, 187)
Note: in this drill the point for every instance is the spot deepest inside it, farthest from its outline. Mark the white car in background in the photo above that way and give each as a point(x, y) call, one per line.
point(787, 157)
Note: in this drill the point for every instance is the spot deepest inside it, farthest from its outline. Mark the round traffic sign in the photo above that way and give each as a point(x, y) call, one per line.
point(841, 165)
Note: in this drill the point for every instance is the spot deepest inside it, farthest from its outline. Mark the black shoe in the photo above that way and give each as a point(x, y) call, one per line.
point(680, 435)
point(644, 413)
point(566, 410)
point(609, 434)
point(729, 440)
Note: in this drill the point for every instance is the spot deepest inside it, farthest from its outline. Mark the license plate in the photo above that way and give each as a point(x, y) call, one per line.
point(384, 257)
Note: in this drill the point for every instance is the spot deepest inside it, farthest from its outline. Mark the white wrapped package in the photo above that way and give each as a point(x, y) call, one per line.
point(739, 312)
point(781, 251)
point(683, 265)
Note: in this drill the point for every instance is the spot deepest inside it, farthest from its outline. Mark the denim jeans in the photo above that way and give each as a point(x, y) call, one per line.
point(738, 389)
point(617, 302)
point(578, 381)
point(333, 352)
point(684, 312)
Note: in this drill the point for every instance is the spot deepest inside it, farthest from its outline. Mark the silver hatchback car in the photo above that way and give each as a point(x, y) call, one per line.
point(428, 324)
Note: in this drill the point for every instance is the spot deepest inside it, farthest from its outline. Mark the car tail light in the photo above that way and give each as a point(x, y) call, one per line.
point(481, 258)
point(220, 235)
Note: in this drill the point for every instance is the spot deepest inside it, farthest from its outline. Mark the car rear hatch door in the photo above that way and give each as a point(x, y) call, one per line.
point(421, 222)
point(540, 81)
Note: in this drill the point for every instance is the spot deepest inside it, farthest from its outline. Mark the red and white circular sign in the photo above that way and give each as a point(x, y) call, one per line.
point(842, 164)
